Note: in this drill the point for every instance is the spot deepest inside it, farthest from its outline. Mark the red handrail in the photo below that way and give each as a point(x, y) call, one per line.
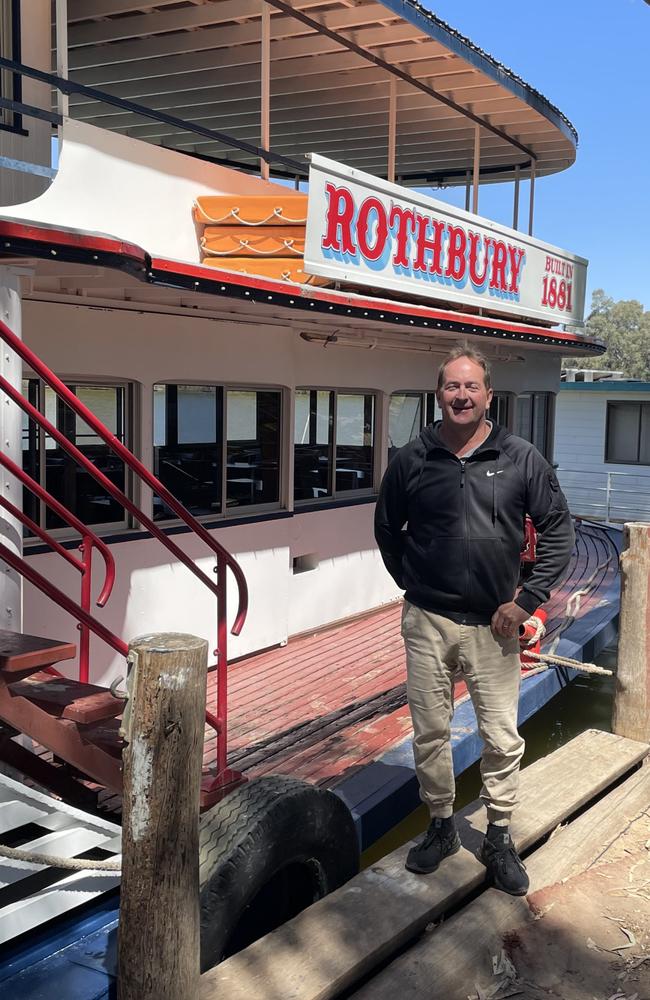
point(23, 567)
point(66, 515)
point(36, 529)
point(83, 565)
point(224, 559)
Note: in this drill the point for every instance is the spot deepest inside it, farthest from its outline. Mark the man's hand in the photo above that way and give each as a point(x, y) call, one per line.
point(507, 619)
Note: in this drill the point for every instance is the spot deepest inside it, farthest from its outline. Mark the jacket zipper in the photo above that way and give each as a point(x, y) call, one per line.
point(463, 486)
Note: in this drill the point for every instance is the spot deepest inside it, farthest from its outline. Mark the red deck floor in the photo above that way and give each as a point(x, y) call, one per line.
point(330, 702)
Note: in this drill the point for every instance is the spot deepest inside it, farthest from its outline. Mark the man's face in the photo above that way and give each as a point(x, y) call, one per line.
point(463, 398)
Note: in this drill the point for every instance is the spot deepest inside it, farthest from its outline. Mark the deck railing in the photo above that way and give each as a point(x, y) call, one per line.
point(224, 560)
point(84, 565)
point(607, 496)
point(282, 164)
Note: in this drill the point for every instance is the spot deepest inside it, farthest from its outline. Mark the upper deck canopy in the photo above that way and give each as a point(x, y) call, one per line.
point(331, 66)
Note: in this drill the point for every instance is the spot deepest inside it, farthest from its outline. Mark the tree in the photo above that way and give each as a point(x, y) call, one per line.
point(625, 328)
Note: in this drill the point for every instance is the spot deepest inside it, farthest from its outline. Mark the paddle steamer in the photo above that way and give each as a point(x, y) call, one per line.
point(226, 283)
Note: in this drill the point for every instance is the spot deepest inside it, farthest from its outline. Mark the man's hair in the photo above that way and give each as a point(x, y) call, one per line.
point(465, 351)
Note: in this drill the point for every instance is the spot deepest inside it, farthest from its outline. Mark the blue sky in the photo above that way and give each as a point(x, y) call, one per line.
point(591, 58)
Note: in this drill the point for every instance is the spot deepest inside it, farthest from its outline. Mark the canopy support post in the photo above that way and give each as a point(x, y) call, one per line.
point(61, 30)
point(531, 213)
point(515, 208)
point(392, 128)
point(265, 94)
point(477, 168)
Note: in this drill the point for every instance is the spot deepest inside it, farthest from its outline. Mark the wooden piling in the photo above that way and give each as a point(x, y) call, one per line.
point(158, 941)
point(631, 711)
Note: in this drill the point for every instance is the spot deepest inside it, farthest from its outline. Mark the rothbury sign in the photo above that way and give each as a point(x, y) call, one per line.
point(373, 233)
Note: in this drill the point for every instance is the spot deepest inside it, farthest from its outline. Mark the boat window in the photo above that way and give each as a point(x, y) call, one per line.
point(49, 465)
point(355, 428)
point(313, 443)
point(253, 425)
point(500, 408)
point(405, 419)
point(195, 426)
point(188, 431)
point(433, 411)
point(334, 443)
point(532, 419)
point(627, 440)
point(408, 414)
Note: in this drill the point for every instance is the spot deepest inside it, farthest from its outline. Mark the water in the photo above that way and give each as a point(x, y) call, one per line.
point(585, 704)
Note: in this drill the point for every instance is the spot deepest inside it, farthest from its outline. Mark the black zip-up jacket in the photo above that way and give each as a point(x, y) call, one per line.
point(459, 555)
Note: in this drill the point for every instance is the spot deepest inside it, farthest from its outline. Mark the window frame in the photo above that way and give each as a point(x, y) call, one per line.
point(427, 409)
point(509, 398)
point(339, 495)
point(38, 433)
point(229, 513)
point(611, 405)
point(548, 424)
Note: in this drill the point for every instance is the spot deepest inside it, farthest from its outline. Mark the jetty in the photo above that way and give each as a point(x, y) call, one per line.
point(583, 827)
point(436, 936)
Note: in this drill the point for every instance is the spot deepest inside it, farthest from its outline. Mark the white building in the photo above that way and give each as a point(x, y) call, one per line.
point(602, 448)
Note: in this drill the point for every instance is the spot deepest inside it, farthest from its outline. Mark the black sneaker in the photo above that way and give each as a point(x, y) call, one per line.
point(440, 841)
point(506, 870)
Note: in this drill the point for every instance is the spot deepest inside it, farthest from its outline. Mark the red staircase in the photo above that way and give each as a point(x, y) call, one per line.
point(54, 710)
point(77, 721)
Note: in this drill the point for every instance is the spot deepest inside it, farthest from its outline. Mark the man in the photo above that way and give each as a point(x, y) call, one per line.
point(463, 489)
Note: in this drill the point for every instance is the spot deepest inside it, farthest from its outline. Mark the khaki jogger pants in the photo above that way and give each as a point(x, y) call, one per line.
point(436, 650)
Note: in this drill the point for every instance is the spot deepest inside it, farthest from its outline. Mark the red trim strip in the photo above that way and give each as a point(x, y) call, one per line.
point(66, 237)
point(316, 293)
point(106, 244)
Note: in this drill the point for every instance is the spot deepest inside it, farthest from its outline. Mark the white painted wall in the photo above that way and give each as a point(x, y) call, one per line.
point(580, 425)
point(154, 594)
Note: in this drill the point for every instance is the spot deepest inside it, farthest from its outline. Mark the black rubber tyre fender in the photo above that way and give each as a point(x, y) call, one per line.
point(270, 839)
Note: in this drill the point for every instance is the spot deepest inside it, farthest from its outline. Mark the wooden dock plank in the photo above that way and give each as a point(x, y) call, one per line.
point(328, 947)
point(457, 955)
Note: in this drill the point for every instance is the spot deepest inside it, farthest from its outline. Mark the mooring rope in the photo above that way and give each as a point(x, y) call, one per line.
point(546, 659)
point(71, 864)
point(549, 659)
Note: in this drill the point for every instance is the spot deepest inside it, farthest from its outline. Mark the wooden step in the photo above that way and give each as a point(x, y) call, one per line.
point(69, 699)
point(94, 749)
point(20, 653)
point(332, 944)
